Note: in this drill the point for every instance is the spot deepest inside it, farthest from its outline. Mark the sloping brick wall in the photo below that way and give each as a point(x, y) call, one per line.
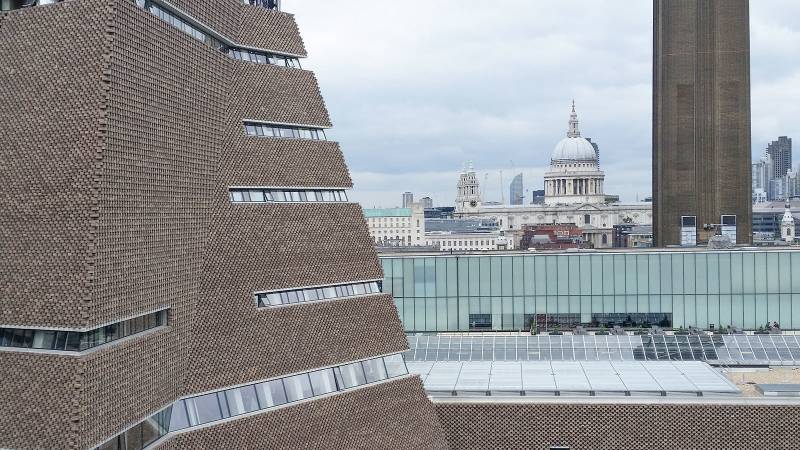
point(619, 427)
point(393, 415)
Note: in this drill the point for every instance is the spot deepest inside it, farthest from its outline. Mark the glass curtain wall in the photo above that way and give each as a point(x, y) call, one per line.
point(461, 293)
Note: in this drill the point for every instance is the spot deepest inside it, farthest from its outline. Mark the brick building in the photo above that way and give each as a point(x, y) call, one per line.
point(551, 237)
point(180, 266)
point(701, 121)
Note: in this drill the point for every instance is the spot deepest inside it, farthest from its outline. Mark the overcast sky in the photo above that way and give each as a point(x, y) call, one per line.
point(415, 89)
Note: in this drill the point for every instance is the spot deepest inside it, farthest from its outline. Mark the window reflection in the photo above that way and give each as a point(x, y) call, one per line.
point(291, 296)
point(241, 400)
point(283, 131)
point(287, 195)
point(78, 341)
point(185, 25)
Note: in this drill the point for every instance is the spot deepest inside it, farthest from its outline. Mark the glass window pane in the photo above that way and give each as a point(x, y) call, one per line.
point(274, 299)
point(44, 339)
point(395, 366)
point(256, 196)
point(242, 400)
point(134, 437)
point(322, 381)
point(271, 394)
point(298, 387)
point(73, 341)
point(114, 444)
point(374, 370)
point(179, 419)
point(150, 430)
point(350, 375)
point(203, 409)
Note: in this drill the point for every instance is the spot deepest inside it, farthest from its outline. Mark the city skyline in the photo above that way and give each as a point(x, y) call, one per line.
point(520, 111)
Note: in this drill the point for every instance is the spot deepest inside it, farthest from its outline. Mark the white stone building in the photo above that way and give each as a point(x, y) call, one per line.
point(397, 227)
point(495, 240)
point(574, 176)
point(787, 226)
point(573, 194)
point(468, 198)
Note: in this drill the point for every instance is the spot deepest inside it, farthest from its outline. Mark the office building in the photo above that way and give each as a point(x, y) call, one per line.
point(701, 121)
point(781, 153)
point(516, 193)
point(468, 241)
point(762, 172)
point(440, 212)
point(426, 202)
point(678, 288)
point(408, 199)
point(767, 221)
point(537, 197)
point(181, 269)
point(396, 227)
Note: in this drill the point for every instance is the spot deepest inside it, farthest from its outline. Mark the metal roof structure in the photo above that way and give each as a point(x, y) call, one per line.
point(720, 350)
point(570, 378)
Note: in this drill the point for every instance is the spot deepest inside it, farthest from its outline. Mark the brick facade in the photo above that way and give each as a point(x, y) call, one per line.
point(122, 136)
point(619, 426)
point(701, 117)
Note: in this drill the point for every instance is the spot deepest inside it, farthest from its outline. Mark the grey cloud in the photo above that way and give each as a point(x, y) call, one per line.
point(415, 90)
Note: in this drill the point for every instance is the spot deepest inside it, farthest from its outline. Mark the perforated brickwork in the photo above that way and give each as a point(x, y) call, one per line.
point(250, 345)
point(38, 390)
point(277, 94)
point(270, 30)
point(252, 162)
point(123, 135)
point(393, 415)
point(48, 159)
point(221, 15)
point(167, 95)
point(619, 427)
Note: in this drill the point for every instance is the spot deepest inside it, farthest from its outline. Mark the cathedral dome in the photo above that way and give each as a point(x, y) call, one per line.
point(573, 147)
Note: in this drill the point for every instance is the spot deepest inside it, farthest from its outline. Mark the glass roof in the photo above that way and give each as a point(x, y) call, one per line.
point(590, 378)
point(773, 349)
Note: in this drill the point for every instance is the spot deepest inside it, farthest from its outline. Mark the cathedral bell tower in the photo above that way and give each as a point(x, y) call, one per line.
point(468, 198)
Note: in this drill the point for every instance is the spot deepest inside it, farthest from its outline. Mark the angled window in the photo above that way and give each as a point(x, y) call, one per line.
point(277, 195)
point(79, 341)
point(284, 131)
point(314, 294)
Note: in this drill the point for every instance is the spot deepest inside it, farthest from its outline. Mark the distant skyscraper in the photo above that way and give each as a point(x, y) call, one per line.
point(763, 174)
point(537, 197)
point(701, 120)
point(781, 153)
point(426, 202)
point(516, 194)
point(408, 199)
